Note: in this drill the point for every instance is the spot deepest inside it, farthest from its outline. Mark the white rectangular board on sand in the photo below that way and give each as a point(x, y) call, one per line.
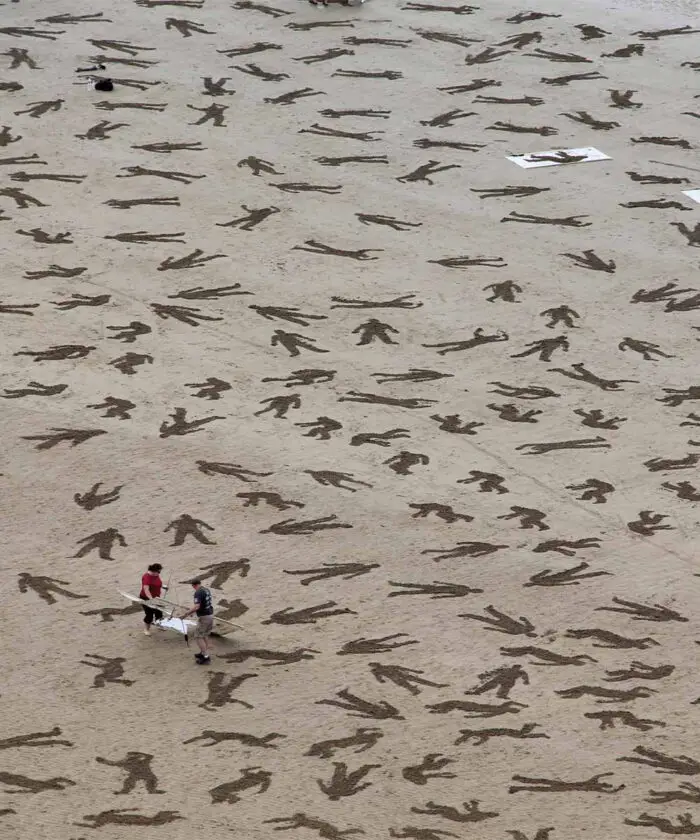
point(537, 159)
point(694, 194)
point(179, 625)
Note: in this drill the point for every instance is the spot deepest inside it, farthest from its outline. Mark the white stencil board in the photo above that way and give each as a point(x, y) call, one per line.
point(530, 161)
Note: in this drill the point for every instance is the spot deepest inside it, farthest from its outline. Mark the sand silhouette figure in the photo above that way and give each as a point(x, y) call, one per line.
point(346, 571)
point(321, 428)
point(103, 542)
point(684, 490)
point(685, 824)
point(331, 478)
point(429, 768)
point(46, 587)
point(220, 690)
point(513, 414)
point(436, 590)
point(477, 737)
point(595, 419)
point(501, 681)
point(610, 719)
point(622, 99)
point(453, 423)
point(420, 833)
point(383, 439)
point(211, 388)
point(444, 512)
point(406, 678)
point(640, 671)
point(649, 523)
point(346, 783)
point(308, 615)
point(137, 766)
point(23, 784)
point(128, 365)
point(357, 707)
point(608, 639)
point(488, 482)
point(271, 657)
point(230, 609)
point(565, 577)
point(200, 293)
point(129, 333)
point(606, 695)
point(252, 219)
point(363, 739)
point(290, 527)
point(325, 830)
point(466, 262)
point(45, 238)
point(382, 645)
point(181, 426)
point(258, 46)
point(113, 406)
point(107, 613)
point(644, 612)
point(304, 376)
point(279, 406)
point(542, 656)
point(36, 739)
point(539, 785)
point(188, 526)
point(500, 622)
point(593, 490)
point(218, 573)
point(128, 817)
point(185, 314)
point(179, 177)
point(251, 777)
point(423, 172)
point(472, 709)
point(18, 308)
point(292, 342)
point(214, 737)
point(471, 812)
point(111, 670)
point(235, 470)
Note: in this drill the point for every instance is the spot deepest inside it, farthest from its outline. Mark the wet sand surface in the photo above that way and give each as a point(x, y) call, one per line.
point(277, 311)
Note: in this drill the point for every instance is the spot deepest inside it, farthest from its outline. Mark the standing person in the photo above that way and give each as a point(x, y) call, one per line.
point(205, 620)
point(151, 587)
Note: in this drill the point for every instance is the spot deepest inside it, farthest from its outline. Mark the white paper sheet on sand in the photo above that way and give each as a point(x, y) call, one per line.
point(531, 161)
point(694, 194)
point(180, 625)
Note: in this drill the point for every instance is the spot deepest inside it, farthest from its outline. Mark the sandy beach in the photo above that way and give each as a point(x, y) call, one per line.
point(262, 323)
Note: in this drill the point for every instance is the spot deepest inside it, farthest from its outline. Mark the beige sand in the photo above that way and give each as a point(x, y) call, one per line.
point(492, 580)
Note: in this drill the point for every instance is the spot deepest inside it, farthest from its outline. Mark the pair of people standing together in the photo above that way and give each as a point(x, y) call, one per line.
point(152, 587)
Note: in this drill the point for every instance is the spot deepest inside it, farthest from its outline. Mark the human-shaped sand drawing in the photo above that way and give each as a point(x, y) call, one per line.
point(137, 766)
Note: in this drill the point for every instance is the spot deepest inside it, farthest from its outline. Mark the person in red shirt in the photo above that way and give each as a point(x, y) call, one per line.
point(151, 587)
